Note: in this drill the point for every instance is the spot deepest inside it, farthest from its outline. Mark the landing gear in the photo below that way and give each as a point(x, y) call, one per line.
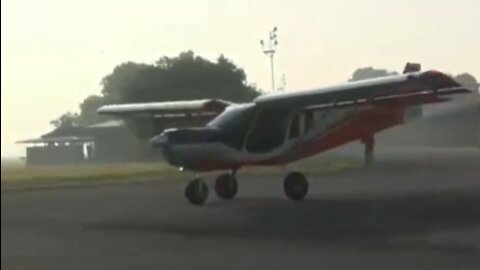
point(226, 186)
point(196, 191)
point(369, 150)
point(295, 186)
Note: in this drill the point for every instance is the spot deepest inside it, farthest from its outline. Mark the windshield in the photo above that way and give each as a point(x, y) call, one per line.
point(234, 123)
point(232, 116)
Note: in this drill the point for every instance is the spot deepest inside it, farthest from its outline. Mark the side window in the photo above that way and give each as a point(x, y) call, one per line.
point(294, 127)
point(308, 120)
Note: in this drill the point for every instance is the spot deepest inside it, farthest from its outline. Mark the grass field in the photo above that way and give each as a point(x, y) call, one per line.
point(12, 172)
point(84, 171)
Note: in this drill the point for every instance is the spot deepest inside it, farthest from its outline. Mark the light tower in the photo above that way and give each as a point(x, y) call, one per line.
point(269, 48)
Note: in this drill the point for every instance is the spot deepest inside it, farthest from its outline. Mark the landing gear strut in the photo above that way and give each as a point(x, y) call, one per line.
point(369, 150)
point(226, 186)
point(196, 191)
point(295, 186)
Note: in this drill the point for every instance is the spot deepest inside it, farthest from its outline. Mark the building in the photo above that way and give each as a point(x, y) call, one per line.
point(111, 141)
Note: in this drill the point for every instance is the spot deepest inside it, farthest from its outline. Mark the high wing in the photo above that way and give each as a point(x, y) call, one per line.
point(149, 119)
point(405, 89)
point(203, 107)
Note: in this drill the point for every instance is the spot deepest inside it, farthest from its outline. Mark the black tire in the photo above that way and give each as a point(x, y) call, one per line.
point(226, 186)
point(196, 192)
point(295, 186)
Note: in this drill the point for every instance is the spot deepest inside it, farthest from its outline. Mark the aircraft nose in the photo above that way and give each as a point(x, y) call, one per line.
point(159, 141)
point(162, 141)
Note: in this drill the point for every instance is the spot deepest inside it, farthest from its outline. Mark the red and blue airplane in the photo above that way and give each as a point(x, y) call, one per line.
point(280, 128)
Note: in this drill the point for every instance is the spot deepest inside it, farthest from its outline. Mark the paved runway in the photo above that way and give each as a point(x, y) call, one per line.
point(420, 211)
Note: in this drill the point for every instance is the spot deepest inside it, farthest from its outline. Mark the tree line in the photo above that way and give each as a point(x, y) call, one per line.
point(185, 77)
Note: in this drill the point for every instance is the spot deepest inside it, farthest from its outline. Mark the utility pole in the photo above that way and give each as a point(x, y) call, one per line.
point(269, 48)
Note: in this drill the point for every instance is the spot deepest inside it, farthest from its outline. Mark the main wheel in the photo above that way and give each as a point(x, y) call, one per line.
point(226, 186)
point(196, 191)
point(295, 186)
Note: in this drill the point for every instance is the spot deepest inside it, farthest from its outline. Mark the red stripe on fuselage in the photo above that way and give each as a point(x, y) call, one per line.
point(368, 121)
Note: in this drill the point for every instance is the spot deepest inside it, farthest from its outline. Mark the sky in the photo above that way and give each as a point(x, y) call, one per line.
point(54, 53)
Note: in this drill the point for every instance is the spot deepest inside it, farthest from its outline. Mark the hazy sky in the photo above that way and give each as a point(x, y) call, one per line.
point(55, 52)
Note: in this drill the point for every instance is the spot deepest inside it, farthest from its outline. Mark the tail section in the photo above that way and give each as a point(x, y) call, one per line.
point(412, 67)
point(413, 112)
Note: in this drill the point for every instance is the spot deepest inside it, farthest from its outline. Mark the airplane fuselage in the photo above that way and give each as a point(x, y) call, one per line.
point(244, 135)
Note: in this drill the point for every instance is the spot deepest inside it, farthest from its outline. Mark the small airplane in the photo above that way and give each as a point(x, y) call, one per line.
point(280, 128)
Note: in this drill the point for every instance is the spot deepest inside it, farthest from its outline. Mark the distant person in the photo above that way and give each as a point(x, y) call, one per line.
point(90, 151)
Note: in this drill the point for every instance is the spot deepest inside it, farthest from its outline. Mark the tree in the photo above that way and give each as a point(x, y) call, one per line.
point(88, 110)
point(68, 119)
point(179, 78)
point(124, 79)
point(468, 81)
point(184, 77)
point(369, 73)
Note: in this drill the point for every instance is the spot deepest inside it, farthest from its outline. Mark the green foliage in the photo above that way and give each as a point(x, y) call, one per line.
point(186, 77)
point(88, 109)
point(66, 120)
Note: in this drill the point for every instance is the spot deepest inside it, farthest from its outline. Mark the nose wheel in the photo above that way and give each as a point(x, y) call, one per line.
point(196, 191)
point(295, 186)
